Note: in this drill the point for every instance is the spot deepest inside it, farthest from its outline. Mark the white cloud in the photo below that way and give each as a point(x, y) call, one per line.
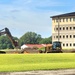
point(21, 17)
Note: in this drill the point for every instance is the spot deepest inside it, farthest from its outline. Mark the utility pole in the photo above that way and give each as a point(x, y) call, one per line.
point(58, 29)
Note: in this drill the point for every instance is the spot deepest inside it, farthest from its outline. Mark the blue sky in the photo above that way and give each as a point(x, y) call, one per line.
point(21, 16)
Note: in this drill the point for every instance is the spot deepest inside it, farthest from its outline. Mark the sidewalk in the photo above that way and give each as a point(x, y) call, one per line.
point(49, 72)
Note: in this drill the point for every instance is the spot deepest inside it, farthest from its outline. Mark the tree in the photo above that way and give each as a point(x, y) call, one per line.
point(30, 38)
point(46, 40)
point(5, 42)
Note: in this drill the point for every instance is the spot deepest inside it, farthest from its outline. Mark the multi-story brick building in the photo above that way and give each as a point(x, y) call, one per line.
point(63, 30)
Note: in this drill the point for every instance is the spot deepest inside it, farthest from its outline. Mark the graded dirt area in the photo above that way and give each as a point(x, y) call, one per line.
point(49, 72)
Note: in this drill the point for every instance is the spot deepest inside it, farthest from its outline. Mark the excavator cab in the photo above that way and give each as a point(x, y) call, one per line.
point(56, 45)
point(54, 48)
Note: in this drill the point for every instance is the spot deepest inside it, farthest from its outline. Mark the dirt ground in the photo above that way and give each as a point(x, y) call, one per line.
point(49, 72)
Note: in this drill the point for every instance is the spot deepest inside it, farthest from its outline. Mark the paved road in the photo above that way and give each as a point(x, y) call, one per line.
point(51, 72)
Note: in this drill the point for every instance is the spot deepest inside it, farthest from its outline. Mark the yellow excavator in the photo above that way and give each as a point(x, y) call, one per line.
point(54, 48)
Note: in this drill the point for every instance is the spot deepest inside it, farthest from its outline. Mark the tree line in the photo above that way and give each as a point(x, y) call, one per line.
point(27, 38)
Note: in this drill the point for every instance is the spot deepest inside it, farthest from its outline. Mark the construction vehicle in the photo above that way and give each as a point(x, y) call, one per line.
point(54, 48)
point(7, 32)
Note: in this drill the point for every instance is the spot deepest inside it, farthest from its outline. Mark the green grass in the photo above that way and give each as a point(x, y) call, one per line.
point(24, 62)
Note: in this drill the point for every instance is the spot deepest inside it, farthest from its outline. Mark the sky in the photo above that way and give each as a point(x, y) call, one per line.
point(22, 16)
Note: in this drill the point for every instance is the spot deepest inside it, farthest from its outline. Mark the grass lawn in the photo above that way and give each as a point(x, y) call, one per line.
point(24, 62)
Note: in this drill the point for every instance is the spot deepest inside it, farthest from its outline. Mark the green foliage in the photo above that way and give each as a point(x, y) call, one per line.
point(34, 38)
point(27, 38)
point(5, 42)
point(25, 62)
point(46, 40)
point(30, 38)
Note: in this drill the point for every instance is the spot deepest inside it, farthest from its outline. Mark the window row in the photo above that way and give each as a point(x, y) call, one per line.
point(64, 28)
point(64, 45)
point(64, 19)
point(65, 36)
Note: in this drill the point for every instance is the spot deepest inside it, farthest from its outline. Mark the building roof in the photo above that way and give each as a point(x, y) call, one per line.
point(64, 15)
point(34, 45)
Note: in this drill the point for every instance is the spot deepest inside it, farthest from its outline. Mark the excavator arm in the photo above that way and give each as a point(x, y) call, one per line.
point(7, 32)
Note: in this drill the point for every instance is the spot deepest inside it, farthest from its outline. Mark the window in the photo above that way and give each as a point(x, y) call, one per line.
point(73, 36)
point(67, 44)
point(60, 28)
point(74, 28)
point(70, 28)
point(66, 28)
point(63, 44)
point(66, 19)
point(63, 36)
point(70, 36)
point(60, 20)
point(63, 28)
point(70, 44)
point(56, 28)
point(56, 36)
point(74, 44)
point(66, 36)
point(74, 19)
point(60, 36)
point(70, 19)
point(56, 20)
